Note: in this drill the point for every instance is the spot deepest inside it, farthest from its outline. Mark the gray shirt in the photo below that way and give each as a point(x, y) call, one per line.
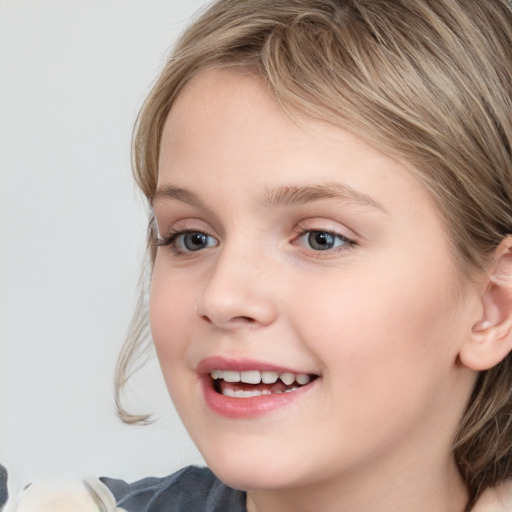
point(191, 489)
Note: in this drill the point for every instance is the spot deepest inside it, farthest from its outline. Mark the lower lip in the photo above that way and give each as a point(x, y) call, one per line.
point(250, 407)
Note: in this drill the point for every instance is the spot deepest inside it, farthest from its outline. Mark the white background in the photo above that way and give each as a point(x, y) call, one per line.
point(73, 74)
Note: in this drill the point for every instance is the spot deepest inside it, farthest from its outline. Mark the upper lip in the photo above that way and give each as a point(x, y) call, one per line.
point(208, 364)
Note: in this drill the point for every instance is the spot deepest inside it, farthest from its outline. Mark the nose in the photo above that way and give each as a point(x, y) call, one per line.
point(238, 291)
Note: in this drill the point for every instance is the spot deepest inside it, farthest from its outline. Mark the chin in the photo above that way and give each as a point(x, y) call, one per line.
point(246, 472)
point(251, 478)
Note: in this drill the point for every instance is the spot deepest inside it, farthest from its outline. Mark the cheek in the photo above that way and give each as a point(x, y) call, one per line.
point(170, 314)
point(171, 318)
point(398, 323)
point(387, 349)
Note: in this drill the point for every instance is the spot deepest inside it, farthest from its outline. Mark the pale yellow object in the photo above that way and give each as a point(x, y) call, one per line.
point(88, 495)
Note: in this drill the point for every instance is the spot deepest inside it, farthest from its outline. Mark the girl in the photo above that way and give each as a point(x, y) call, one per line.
point(330, 189)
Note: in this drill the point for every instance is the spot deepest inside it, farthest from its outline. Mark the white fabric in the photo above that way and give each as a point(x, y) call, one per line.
point(89, 495)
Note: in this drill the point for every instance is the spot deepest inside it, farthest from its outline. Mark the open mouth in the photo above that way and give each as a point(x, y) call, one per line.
point(251, 383)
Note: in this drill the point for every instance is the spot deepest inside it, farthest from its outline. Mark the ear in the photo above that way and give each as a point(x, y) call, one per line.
point(490, 340)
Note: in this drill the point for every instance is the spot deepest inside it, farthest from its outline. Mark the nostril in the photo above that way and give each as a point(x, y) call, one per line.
point(243, 320)
point(236, 320)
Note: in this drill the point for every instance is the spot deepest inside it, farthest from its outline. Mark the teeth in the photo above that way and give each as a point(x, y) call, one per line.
point(251, 377)
point(302, 378)
point(244, 393)
point(269, 377)
point(255, 377)
point(230, 376)
point(287, 378)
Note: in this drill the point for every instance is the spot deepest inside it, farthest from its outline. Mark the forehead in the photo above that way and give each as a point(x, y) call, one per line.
point(229, 119)
point(216, 103)
point(233, 113)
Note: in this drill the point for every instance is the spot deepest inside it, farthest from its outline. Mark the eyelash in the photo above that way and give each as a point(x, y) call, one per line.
point(172, 240)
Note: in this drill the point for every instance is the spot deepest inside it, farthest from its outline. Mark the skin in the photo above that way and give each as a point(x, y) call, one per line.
point(381, 320)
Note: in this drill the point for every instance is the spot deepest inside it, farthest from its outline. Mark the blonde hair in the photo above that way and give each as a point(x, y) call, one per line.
point(426, 81)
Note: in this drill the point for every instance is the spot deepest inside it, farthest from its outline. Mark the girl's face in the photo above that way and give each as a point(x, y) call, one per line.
point(295, 251)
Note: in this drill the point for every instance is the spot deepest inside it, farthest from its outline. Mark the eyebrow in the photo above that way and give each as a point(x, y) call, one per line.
point(180, 194)
point(292, 195)
point(282, 196)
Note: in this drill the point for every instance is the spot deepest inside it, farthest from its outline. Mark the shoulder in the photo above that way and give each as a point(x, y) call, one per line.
point(187, 490)
point(496, 499)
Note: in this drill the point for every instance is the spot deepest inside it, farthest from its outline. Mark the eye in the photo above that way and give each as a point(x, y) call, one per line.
point(194, 241)
point(188, 241)
point(323, 240)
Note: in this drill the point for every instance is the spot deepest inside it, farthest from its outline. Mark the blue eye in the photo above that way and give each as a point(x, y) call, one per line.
point(188, 241)
point(323, 240)
point(194, 241)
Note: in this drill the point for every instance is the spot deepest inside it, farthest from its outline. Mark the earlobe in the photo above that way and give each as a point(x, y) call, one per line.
point(490, 339)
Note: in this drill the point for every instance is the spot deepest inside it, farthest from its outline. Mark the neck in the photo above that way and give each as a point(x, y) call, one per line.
point(386, 491)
